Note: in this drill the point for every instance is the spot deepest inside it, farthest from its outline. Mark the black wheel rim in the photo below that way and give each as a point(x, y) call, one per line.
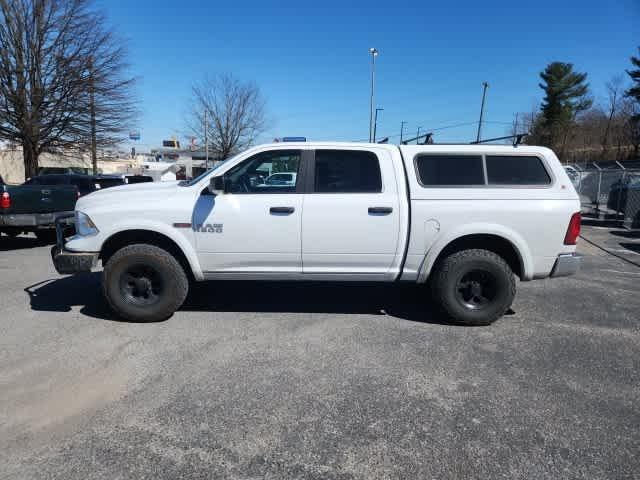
point(141, 285)
point(476, 289)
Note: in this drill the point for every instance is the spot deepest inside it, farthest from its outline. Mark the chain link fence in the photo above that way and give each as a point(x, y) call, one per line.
point(608, 193)
point(630, 202)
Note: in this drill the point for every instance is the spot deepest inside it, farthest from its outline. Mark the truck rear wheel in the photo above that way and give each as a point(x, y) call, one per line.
point(144, 283)
point(474, 287)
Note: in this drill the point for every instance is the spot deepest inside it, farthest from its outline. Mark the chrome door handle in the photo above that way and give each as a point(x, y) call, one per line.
point(281, 210)
point(380, 210)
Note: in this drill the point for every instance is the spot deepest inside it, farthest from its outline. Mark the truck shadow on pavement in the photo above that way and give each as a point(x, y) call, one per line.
point(408, 302)
point(18, 243)
point(626, 233)
point(634, 247)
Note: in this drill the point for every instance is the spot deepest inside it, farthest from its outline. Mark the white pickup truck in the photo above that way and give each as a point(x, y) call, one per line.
point(463, 219)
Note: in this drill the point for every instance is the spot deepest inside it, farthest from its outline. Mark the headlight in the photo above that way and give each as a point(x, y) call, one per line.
point(84, 225)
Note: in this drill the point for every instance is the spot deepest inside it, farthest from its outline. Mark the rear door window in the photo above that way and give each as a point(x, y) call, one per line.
point(347, 171)
point(516, 170)
point(447, 170)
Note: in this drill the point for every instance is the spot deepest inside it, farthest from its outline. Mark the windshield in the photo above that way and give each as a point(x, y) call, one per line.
point(193, 181)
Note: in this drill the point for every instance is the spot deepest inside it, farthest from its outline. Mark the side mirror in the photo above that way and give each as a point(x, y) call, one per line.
point(216, 185)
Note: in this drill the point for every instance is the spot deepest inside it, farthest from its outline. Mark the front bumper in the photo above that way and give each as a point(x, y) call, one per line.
point(72, 262)
point(38, 220)
point(566, 264)
point(67, 262)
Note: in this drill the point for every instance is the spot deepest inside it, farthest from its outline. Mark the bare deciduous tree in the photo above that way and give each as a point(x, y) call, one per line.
point(61, 78)
point(614, 93)
point(630, 113)
point(235, 113)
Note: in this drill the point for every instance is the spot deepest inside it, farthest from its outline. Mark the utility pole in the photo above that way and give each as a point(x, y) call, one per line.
point(485, 85)
point(402, 124)
point(206, 141)
point(375, 123)
point(515, 125)
point(374, 54)
point(92, 114)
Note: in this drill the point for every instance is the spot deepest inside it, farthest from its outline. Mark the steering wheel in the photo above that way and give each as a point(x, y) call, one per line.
point(243, 184)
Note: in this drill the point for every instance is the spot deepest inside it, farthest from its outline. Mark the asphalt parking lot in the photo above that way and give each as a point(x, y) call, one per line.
point(255, 380)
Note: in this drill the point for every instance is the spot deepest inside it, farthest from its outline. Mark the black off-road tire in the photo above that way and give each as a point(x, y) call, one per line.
point(449, 286)
point(46, 236)
point(126, 297)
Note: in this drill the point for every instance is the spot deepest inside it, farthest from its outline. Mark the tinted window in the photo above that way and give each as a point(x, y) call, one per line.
point(83, 182)
point(347, 171)
point(49, 180)
point(442, 170)
point(139, 179)
point(251, 175)
point(109, 182)
point(516, 170)
point(85, 185)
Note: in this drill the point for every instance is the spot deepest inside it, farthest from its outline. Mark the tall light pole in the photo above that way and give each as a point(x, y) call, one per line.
point(375, 123)
point(206, 141)
point(92, 116)
point(374, 54)
point(402, 124)
point(418, 136)
point(485, 85)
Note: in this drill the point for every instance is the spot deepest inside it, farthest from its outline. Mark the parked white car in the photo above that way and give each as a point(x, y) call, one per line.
point(283, 178)
point(465, 219)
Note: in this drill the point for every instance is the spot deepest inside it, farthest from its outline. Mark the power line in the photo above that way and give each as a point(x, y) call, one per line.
point(447, 127)
point(437, 129)
point(465, 124)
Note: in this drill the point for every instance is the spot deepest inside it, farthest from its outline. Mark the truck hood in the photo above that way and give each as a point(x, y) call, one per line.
point(129, 194)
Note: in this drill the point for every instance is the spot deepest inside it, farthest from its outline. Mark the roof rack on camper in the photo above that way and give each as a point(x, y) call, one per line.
point(427, 139)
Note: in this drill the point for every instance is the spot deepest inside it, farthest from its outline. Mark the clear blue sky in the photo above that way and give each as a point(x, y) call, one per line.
point(311, 59)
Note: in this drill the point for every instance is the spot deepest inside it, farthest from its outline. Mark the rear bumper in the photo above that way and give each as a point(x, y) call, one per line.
point(566, 264)
point(67, 262)
point(35, 220)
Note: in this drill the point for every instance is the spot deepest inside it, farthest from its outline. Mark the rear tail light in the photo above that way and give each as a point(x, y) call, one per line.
point(573, 232)
point(5, 200)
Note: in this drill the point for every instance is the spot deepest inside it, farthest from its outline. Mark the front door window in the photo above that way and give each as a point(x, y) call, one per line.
point(266, 172)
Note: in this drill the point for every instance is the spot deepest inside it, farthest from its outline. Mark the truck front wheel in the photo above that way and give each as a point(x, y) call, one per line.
point(474, 287)
point(144, 283)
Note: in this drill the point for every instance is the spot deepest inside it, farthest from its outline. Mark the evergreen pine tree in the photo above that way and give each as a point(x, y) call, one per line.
point(634, 90)
point(566, 95)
